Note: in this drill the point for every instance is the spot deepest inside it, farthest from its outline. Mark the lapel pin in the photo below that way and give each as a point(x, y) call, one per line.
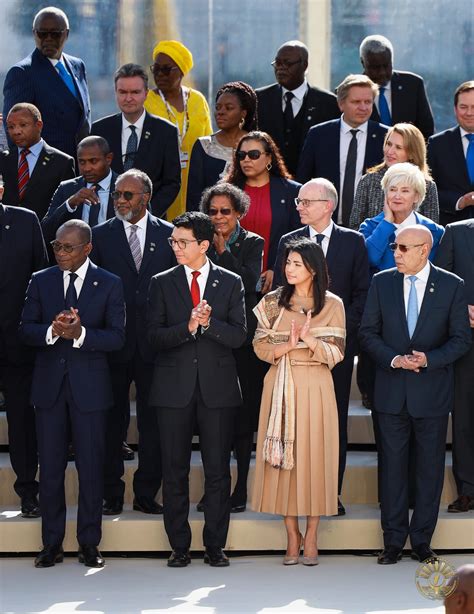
point(147, 135)
point(309, 118)
point(95, 283)
point(44, 163)
point(374, 136)
point(400, 87)
point(152, 249)
point(431, 289)
point(46, 158)
point(7, 227)
point(237, 245)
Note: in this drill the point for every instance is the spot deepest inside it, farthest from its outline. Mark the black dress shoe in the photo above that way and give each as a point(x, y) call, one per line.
point(341, 510)
point(49, 556)
point(463, 503)
point(30, 507)
point(239, 508)
point(215, 557)
point(90, 556)
point(423, 553)
point(127, 453)
point(147, 505)
point(179, 558)
point(200, 505)
point(113, 506)
point(389, 555)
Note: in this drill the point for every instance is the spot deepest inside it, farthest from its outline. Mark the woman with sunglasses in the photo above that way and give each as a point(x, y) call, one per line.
point(235, 113)
point(258, 168)
point(241, 252)
point(403, 143)
point(301, 333)
point(404, 187)
point(184, 107)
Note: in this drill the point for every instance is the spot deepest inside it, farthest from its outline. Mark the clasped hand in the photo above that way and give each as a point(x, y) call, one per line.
point(67, 324)
point(412, 362)
point(299, 331)
point(200, 316)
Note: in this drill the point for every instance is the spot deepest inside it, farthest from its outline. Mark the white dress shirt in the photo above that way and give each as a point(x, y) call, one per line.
point(388, 97)
point(420, 286)
point(344, 142)
point(126, 132)
point(202, 279)
point(298, 96)
point(327, 236)
point(141, 230)
point(409, 221)
point(78, 283)
point(32, 157)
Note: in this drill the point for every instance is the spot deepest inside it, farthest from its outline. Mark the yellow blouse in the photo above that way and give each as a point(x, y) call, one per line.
point(199, 118)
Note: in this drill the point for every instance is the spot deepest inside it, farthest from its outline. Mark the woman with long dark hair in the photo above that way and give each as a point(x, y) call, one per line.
point(301, 333)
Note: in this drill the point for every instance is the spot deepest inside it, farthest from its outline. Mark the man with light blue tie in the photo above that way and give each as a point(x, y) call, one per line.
point(54, 82)
point(415, 326)
point(86, 197)
point(402, 95)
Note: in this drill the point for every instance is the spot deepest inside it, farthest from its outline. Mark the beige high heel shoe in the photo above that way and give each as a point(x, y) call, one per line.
point(294, 560)
point(310, 561)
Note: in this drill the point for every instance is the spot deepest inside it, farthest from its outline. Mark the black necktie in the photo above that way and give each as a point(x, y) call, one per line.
point(71, 294)
point(288, 116)
point(94, 209)
point(319, 239)
point(131, 151)
point(349, 179)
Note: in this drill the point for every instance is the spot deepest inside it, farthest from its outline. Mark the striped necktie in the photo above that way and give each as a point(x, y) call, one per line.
point(135, 247)
point(23, 173)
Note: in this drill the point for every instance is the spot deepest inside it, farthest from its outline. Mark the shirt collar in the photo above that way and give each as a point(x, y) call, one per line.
point(464, 132)
point(138, 123)
point(423, 274)
point(345, 128)
point(299, 92)
point(409, 221)
point(81, 271)
point(104, 183)
point(142, 222)
point(34, 149)
point(326, 232)
point(204, 270)
point(387, 87)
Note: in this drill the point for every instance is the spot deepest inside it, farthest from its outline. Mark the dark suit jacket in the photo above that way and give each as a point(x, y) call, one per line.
point(102, 311)
point(348, 269)
point(442, 332)
point(111, 251)
point(456, 254)
point(157, 155)
point(22, 252)
point(319, 106)
point(184, 360)
point(52, 167)
point(58, 213)
point(409, 102)
point(67, 119)
point(448, 166)
point(320, 155)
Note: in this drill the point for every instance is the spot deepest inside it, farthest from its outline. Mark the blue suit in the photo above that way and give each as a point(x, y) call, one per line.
point(72, 384)
point(67, 118)
point(407, 402)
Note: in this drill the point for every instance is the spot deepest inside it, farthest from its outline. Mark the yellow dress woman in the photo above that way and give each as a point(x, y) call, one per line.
point(184, 107)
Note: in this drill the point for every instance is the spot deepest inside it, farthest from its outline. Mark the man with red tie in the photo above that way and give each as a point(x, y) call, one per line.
point(196, 316)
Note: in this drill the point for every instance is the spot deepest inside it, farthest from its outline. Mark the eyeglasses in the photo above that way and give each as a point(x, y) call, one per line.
point(181, 243)
point(253, 154)
point(65, 247)
point(305, 202)
point(403, 248)
point(284, 63)
point(166, 70)
point(225, 211)
point(117, 195)
point(55, 34)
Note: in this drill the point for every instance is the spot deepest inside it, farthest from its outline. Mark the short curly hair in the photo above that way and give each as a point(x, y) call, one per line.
point(247, 99)
point(239, 200)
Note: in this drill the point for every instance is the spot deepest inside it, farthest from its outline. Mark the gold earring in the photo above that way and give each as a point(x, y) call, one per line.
point(242, 122)
point(269, 167)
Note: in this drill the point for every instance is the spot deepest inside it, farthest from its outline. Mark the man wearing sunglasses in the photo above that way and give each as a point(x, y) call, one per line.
point(87, 197)
point(140, 140)
point(54, 82)
point(288, 108)
point(134, 246)
point(415, 326)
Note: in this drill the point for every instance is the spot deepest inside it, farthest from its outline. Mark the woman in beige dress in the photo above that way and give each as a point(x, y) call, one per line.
point(301, 333)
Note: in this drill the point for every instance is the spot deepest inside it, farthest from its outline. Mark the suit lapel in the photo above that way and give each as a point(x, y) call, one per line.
point(212, 285)
point(428, 300)
point(371, 145)
point(89, 288)
point(146, 136)
point(396, 87)
point(41, 168)
point(398, 301)
point(56, 293)
point(181, 283)
point(11, 176)
point(114, 138)
point(468, 232)
point(457, 155)
point(331, 254)
point(152, 244)
point(110, 205)
point(123, 246)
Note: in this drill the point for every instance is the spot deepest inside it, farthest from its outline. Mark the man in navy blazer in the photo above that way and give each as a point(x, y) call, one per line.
point(54, 82)
point(22, 252)
point(196, 317)
point(328, 147)
point(87, 197)
point(348, 267)
point(140, 140)
point(74, 315)
point(451, 160)
point(402, 95)
point(415, 326)
point(47, 166)
point(116, 250)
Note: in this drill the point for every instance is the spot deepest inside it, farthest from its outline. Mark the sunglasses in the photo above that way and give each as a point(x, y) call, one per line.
point(225, 211)
point(55, 34)
point(253, 154)
point(65, 247)
point(125, 195)
point(403, 248)
point(166, 70)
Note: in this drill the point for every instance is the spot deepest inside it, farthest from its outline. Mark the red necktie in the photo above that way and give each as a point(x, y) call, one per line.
point(23, 173)
point(195, 293)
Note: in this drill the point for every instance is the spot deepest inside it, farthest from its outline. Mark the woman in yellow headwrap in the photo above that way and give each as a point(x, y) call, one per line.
point(183, 106)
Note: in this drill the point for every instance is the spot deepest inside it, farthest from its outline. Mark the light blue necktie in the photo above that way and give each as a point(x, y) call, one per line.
point(384, 111)
point(412, 309)
point(66, 77)
point(470, 156)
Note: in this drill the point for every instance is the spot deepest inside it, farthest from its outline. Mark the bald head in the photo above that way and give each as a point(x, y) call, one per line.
point(461, 600)
point(414, 245)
